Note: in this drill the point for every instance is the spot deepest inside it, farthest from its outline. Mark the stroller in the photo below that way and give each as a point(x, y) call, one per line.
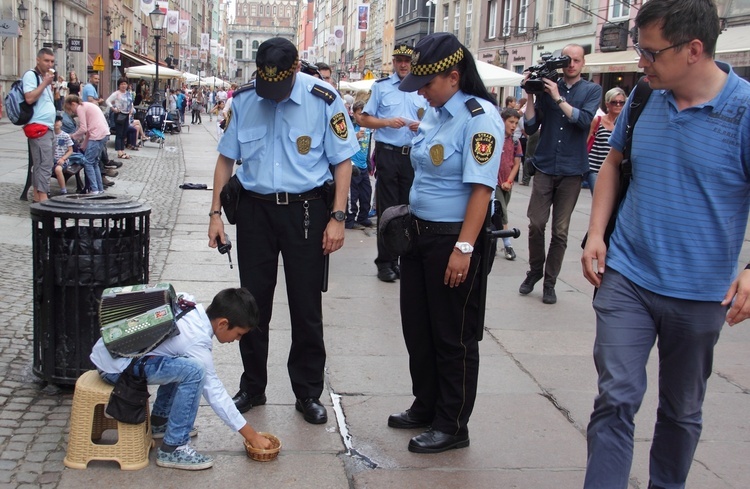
point(156, 119)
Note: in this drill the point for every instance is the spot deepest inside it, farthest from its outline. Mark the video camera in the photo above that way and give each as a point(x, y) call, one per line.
point(546, 69)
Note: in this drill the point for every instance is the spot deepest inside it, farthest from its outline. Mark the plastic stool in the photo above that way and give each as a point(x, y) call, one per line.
point(88, 422)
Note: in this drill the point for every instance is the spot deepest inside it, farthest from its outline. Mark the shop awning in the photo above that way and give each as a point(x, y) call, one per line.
point(134, 58)
point(615, 62)
point(732, 46)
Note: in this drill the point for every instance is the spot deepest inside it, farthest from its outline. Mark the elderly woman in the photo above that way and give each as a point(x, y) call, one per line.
point(601, 129)
point(456, 157)
point(121, 103)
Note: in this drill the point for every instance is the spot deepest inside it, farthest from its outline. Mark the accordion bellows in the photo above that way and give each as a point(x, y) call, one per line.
point(137, 318)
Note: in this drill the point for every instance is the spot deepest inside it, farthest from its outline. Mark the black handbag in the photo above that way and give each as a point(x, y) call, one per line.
point(128, 402)
point(230, 198)
point(396, 231)
point(121, 117)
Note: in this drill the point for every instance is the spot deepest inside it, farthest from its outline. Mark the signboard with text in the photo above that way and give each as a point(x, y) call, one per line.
point(75, 45)
point(614, 37)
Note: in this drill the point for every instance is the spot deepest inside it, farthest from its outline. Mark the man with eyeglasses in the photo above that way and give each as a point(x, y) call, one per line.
point(395, 115)
point(325, 72)
point(564, 110)
point(670, 271)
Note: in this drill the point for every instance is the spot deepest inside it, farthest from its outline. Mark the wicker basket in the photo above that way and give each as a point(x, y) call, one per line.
point(264, 454)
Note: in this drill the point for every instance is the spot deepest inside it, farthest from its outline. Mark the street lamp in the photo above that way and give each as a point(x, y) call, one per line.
point(502, 56)
point(157, 24)
point(46, 21)
point(22, 13)
point(123, 38)
point(430, 4)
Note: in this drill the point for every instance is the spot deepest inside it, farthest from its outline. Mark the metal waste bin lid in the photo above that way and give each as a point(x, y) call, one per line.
point(86, 204)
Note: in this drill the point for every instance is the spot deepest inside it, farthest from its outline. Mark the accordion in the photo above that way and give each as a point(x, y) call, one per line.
point(137, 318)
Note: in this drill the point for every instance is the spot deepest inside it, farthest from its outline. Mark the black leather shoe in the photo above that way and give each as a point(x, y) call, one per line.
point(113, 164)
point(312, 409)
point(387, 275)
point(528, 285)
point(406, 421)
point(397, 271)
point(245, 402)
point(548, 295)
point(434, 441)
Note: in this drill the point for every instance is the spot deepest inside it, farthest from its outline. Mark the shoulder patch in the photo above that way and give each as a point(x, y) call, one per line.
point(325, 93)
point(338, 124)
point(244, 88)
point(475, 108)
point(482, 146)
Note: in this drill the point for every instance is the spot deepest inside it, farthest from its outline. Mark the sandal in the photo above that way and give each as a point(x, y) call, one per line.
point(123, 156)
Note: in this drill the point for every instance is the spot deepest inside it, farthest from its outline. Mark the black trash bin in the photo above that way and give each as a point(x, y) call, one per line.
point(82, 244)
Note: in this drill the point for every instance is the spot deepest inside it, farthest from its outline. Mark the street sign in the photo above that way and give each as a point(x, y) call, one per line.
point(116, 55)
point(75, 45)
point(98, 63)
point(116, 45)
point(116, 62)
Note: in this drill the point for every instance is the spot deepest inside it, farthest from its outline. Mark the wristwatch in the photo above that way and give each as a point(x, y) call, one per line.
point(340, 216)
point(463, 247)
point(560, 100)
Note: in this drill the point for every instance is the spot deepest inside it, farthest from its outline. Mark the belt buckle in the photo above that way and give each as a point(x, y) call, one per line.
point(286, 198)
point(405, 150)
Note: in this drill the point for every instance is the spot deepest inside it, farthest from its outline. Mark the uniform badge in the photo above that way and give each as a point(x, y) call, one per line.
point(482, 147)
point(338, 124)
point(436, 154)
point(415, 59)
point(420, 113)
point(227, 118)
point(303, 144)
point(270, 71)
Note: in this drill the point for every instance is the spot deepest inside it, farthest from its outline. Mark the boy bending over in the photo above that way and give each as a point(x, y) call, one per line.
point(183, 368)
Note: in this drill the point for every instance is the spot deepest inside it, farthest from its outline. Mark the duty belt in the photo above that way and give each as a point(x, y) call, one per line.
point(284, 198)
point(429, 227)
point(404, 150)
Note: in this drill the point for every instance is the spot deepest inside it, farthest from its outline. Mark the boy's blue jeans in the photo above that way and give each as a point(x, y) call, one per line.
point(180, 381)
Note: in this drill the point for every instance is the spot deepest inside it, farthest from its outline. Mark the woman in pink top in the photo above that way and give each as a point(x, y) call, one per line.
point(93, 134)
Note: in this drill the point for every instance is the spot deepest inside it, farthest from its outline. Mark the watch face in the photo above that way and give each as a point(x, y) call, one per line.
point(339, 216)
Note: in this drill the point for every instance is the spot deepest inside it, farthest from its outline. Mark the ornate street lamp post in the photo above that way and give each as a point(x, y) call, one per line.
point(157, 24)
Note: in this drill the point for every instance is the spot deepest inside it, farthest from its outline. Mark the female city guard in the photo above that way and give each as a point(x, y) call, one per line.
point(456, 157)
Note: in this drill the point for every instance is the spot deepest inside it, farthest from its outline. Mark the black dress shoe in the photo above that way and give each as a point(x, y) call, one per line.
point(407, 421)
point(434, 441)
point(244, 401)
point(387, 275)
point(312, 409)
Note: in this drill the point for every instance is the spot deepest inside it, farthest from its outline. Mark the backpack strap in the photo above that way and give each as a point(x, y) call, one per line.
point(640, 97)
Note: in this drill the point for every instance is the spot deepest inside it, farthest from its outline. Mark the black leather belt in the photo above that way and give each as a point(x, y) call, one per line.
point(404, 150)
point(284, 198)
point(429, 227)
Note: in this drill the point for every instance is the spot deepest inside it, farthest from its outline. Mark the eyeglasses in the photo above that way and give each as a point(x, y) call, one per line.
point(616, 102)
point(650, 56)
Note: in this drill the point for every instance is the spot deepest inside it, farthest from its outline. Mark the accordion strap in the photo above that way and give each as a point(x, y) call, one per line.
point(185, 307)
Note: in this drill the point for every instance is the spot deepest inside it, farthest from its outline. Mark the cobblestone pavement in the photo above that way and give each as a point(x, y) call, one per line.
point(34, 417)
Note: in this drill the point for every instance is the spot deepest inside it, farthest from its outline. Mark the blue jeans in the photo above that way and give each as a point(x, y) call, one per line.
point(180, 381)
point(91, 164)
point(590, 178)
point(629, 319)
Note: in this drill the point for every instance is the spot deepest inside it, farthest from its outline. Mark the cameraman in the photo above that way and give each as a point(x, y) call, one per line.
point(564, 110)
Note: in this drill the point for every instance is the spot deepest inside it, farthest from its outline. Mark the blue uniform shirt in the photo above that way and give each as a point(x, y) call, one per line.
point(452, 151)
point(387, 101)
point(287, 146)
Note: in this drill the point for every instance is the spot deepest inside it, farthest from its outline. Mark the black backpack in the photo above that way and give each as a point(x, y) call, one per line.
point(19, 111)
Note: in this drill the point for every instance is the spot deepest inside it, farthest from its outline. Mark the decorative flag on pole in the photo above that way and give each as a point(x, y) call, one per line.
point(205, 40)
point(173, 21)
point(338, 34)
point(363, 17)
point(184, 29)
point(147, 6)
